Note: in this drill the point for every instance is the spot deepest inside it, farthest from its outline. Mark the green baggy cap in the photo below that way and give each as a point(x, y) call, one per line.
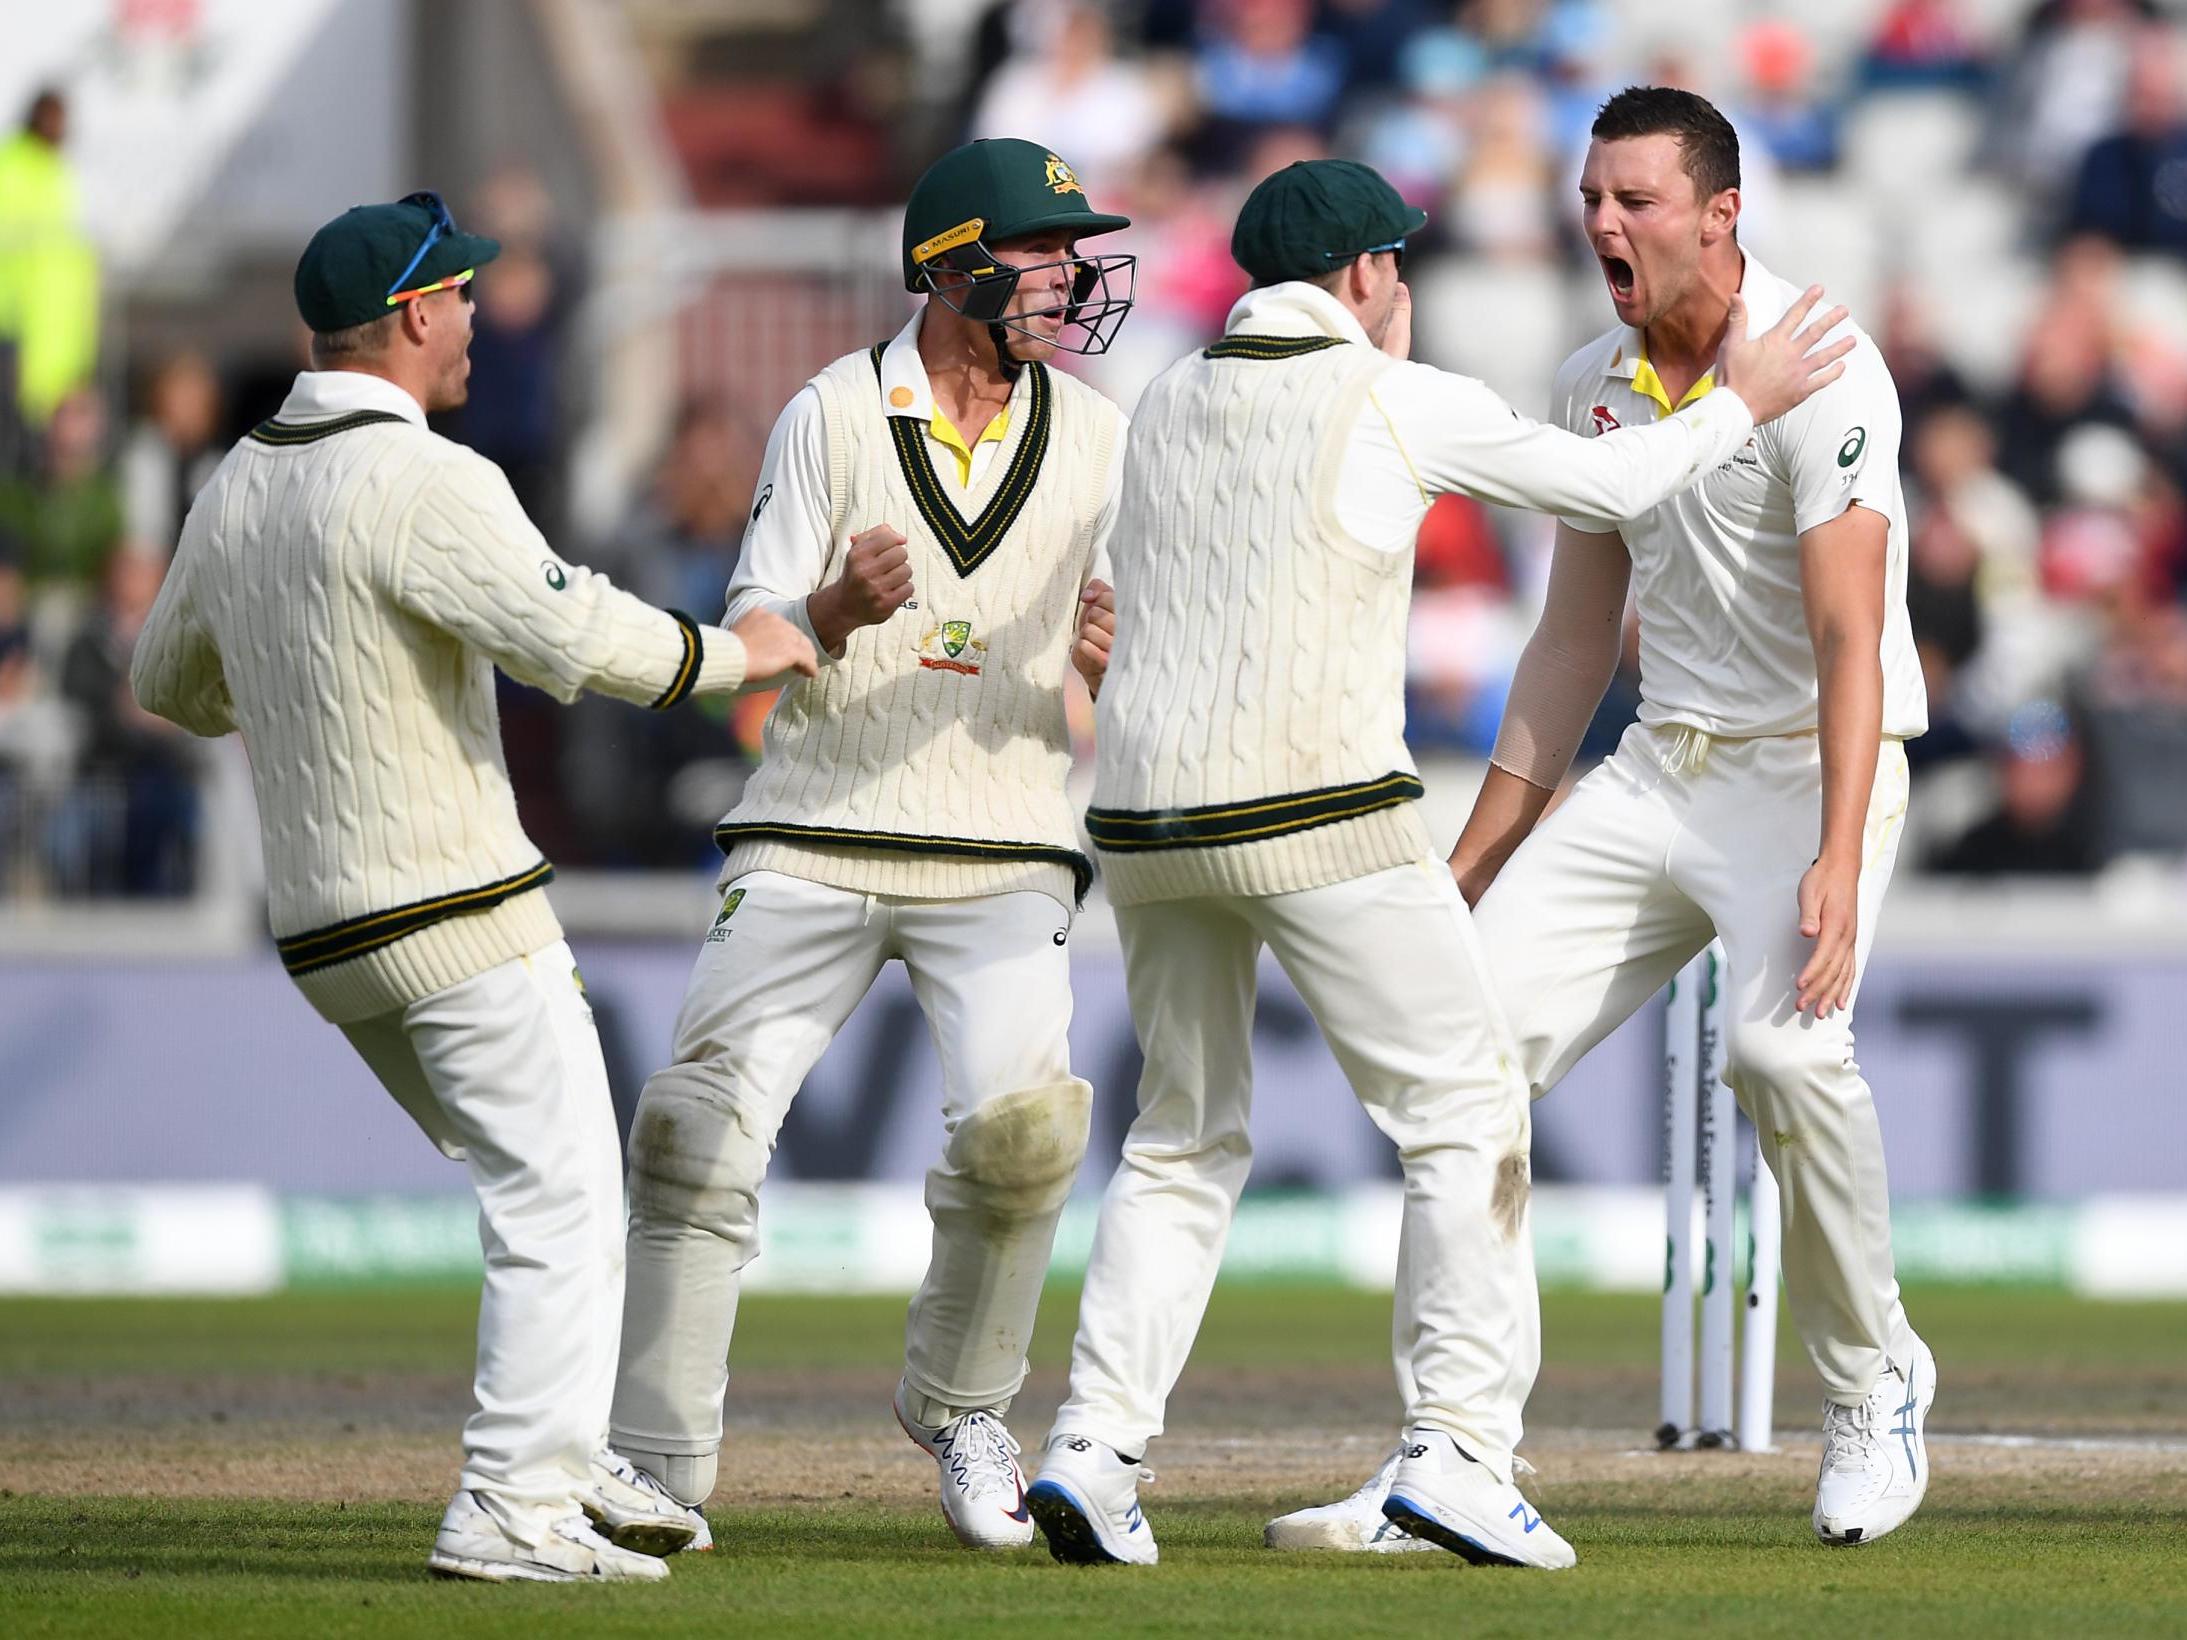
point(370, 252)
point(1316, 215)
point(994, 189)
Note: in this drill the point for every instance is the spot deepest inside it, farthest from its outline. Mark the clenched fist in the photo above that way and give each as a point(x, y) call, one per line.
point(875, 584)
point(1096, 633)
point(773, 646)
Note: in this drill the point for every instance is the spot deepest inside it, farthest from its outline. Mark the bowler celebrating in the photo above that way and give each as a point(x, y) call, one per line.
point(1761, 795)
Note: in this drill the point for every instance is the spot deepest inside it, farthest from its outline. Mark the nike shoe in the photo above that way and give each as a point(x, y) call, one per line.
point(1356, 1524)
point(1875, 1464)
point(983, 1489)
point(473, 1544)
point(1087, 1502)
point(1441, 1492)
point(634, 1511)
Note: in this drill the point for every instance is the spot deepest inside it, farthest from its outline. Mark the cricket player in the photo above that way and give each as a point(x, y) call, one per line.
point(1758, 800)
point(1254, 788)
point(344, 588)
point(935, 512)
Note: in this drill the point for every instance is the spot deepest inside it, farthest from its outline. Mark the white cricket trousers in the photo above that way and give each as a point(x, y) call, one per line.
point(1390, 965)
point(503, 1072)
point(1671, 841)
point(778, 974)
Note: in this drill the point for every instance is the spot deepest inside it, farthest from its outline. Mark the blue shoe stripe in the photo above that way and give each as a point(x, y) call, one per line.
point(1421, 1524)
point(1904, 1428)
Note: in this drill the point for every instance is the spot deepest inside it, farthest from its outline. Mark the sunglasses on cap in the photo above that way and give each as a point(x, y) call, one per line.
point(1395, 247)
point(443, 224)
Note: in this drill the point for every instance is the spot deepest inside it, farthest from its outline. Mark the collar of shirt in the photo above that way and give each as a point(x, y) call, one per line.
point(1766, 304)
point(905, 391)
point(1294, 308)
point(321, 393)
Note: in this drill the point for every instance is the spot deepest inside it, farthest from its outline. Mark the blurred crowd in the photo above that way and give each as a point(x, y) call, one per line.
point(2000, 192)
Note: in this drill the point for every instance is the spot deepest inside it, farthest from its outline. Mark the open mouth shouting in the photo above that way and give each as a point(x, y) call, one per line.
point(1619, 273)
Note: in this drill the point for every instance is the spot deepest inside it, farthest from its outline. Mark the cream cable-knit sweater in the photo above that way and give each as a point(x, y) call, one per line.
point(344, 588)
point(1250, 732)
point(930, 760)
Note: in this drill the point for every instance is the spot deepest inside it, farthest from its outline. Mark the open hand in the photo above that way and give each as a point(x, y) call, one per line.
point(773, 646)
point(1786, 364)
point(1830, 916)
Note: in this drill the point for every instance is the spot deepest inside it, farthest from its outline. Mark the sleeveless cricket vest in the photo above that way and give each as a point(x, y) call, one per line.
point(1250, 732)
point(930, 760)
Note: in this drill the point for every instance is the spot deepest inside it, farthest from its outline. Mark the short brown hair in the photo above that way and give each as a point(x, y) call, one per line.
point(1708, 146)
point(330, 347)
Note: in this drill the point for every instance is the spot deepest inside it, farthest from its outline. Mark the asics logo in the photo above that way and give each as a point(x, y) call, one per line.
point(1904, 1428)
point(1526, 1518)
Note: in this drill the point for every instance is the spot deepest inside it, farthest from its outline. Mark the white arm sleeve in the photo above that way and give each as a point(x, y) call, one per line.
point(1105, 519)
point(472, 564)
point(791, 538)
point(1460, 435)
point(1842, 446)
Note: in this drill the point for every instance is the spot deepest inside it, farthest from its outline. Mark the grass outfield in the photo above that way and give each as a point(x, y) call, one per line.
point(276, 1466)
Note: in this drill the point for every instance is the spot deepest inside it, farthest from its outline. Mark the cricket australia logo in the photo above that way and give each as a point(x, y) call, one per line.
point(719, 932)
point(950, 647)
point(1061, 178)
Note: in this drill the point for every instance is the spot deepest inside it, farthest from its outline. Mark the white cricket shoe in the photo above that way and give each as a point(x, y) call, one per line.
point(1443, 1493)
point(1086, 1499)
point(634, 1511)
point(1875, 1465)
point(472, 1543)
point(1356, 1524)
point(983, 1489)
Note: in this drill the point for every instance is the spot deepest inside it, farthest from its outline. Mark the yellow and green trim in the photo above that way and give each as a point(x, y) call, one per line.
point(687, 670)
point(1244, 345)
point(358, 936)
point(277, 432)
point(1217, 825)
point(970, 545)
point(730, 833)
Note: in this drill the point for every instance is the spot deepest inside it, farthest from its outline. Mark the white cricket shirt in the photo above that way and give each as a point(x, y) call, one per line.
point(789, 549)
point(1724, 646)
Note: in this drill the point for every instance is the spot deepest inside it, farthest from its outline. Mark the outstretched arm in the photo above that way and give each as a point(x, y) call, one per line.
point(473, 565)
point(1461, 436)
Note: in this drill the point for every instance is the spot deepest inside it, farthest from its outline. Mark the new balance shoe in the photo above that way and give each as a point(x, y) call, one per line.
point(1356, 1524)
point(634, 1511)
point(983, 1489)
point(1086, 1499)
point(473, 1544)
point(1875, 1464)
point(1441, 1492)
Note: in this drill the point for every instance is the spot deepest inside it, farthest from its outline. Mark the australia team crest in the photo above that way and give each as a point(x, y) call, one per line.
point(951, 647)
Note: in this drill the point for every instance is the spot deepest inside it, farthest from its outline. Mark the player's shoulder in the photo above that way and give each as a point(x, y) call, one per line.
point(1586, 365)
point(1864, 366)
point(1594, 358)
